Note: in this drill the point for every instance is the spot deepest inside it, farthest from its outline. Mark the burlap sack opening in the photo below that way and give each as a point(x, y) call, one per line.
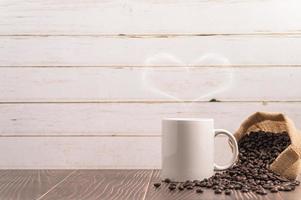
point(288, 162)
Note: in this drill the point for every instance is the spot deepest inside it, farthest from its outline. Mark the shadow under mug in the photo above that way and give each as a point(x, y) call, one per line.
point(188, 148)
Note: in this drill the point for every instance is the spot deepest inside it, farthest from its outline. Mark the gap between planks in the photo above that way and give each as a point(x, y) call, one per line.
point(157, 66)
point(53, 187)
point(158, 35)
point(213, 100)
point(148, 184)
point(73, 135)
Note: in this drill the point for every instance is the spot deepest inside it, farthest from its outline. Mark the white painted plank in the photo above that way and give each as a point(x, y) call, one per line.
point(124, 118)
point(89, 152)
point(173, 51)
point(118, 16)
point(79, 152)
point(149, 84)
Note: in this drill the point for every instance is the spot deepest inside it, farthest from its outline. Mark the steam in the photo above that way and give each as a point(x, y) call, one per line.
point(189, 83)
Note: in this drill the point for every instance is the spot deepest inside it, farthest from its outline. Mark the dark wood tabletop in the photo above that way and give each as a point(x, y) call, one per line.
point(105, 185)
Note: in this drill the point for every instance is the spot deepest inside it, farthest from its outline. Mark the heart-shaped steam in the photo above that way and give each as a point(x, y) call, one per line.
point(190, 83)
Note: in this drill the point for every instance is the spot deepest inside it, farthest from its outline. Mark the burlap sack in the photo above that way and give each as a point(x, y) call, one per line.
point(288, 162)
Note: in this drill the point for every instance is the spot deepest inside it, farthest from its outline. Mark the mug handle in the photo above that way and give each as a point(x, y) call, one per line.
point(235, 149)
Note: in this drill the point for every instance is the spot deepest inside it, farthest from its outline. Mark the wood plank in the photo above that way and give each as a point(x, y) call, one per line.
point(102, 184)
point(80, 152)
point(29, 184)
point(172, 51)
point(111, 119)
point(149, 84)
point(90, 152)
point(132, 17)
point(164, 193)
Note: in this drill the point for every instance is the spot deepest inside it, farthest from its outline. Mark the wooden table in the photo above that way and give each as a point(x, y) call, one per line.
point(104, 185)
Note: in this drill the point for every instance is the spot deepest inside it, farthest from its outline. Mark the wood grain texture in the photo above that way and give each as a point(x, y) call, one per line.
point(149, 84)
point(173, 51)
point(80, 152)
point(102, 184)
point(128, 119)
point(164, 194)
point(132, 17)
point(28, 184)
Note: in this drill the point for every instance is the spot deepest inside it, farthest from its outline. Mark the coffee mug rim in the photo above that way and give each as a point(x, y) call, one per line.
point(188, 119)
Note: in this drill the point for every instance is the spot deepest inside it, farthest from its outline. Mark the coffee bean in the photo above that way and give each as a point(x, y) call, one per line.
point(215, 187)
point(245, 190)
point(274, 190)
point(187, 183)
point(195, 181)
point(264, 177)
point(287, 188)
point(189, 187)
point(261, 192)
point(167, 180)
point(227, 192)
point(230, 186)
point(203, 184)
point(237, 187)
point(257, 181)
point(270, 182)
point(198, 184)
point(267, 186)
point(157, 185)
point(199, 190)
point(282, 179)
point(221, 187)
point(281, 188)
point(218, 191)
point(180, 188)
point(172, 187)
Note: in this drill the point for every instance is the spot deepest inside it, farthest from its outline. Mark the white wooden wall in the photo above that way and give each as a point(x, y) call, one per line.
point(84, 84)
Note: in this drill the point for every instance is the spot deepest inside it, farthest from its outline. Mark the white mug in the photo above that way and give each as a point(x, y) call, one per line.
point(188, 148)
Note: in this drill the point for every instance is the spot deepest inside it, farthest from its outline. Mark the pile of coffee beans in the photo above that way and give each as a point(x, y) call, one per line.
point(251, 172)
